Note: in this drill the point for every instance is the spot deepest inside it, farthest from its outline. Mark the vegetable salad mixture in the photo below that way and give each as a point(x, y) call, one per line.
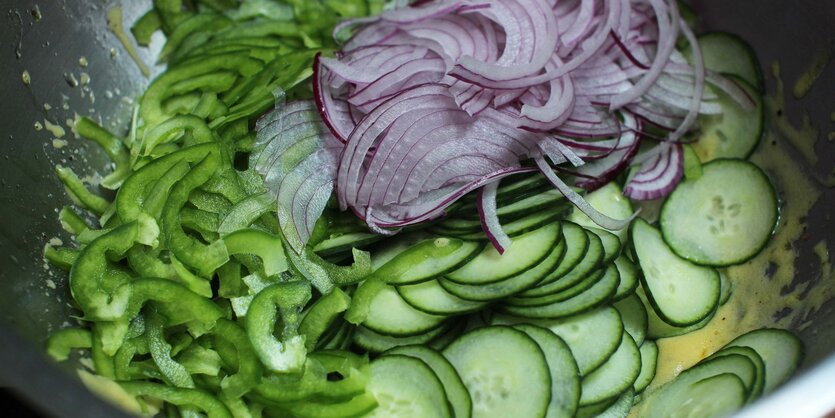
point(355, 208)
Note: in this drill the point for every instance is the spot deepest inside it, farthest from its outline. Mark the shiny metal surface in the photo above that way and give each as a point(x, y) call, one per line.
point(33, 300)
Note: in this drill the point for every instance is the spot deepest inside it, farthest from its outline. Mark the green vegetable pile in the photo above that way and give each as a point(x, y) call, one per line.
point(194, 302)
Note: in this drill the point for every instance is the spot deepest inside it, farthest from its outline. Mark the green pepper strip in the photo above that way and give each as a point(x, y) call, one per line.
point(102, 363)
point(321, 316)
point(134, 197)
point(112, 335)
point(358, 406)
point(126, 369)
point(229, 276)
point(325, 275)
point(61, 342)
point(201, 22)
point(313, 384)
point(61, 257)
point(213, 407)
point(159, 90)
point(200, 360)
point(210, 202)
point(172, 128)
point(225, 183)
point(245, 359)
point(245, 212)
point(78, 192)
point(94, 286)
point(71, 221)
point(113, 147)
point(266, 246)
point(173, 372)
point(173, 300)
point(193, 282)
point(285, 300)
point(145, 27)
point(203, 222)
point(204, 259)
point(361, 301)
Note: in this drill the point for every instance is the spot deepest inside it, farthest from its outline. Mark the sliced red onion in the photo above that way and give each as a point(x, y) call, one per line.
point(599, 218)
point(302, 186)
point(658, 176)
point(489, 217)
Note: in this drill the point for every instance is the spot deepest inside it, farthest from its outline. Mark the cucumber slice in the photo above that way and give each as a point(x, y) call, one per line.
point(608, 200)
point(727, 53)
point(527, 251)
point(577, 241)
point(406, 387)
point(385, 251)
point(371, 341)
point(678, 396)
point(634, 317)
point(628, 277)
point(781, 351)
point(510, 286)
point(657, 328)
point(649, 361)
point(389, 314)
point(456, 392)
point(522, 226)
point(681, 292)
point(592, 260)
point(590, 353)
point(756, 360)
point(504, 370)
point(598, 294)
point(615, 376)
point(621, 407)
point(611, 243)
point(735, 132)
point(587, 282)
point(427, 260)
point(451, 334)
point(565, 381)
point(432, 298)
point(713, 397)
point(346, 242)
point(725, 217)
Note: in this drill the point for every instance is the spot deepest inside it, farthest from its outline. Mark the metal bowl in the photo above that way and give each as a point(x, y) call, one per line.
point(75, 64)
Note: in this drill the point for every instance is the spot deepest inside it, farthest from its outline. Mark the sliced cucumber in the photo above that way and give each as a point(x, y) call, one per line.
point(611, 243)
point(681, 292)
point(389, 314)
point(713, 397)
point(610, 201)
point(621, 407)
point(735, 132)
point(427, 260)
point(634, 317)
point(432, 298)
point(577, 241)
point(345, 242)
point(449, 335)
point(523, 225)
point(649, 361)
point(504, 370)
point(727, 53)
point(371, 341)
point(590, 280)
point(614, 376)
point(592, 260)
point(595, 296)
point(456, 392)
point(629, 274)
point(527, 251)
point(605, 324)
point(657, 328)
point(510, 286)
point(781, 351)
point(565, 377)
point(678, 397)
point(756, 360)
point(725, 217)
point(406, 387)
